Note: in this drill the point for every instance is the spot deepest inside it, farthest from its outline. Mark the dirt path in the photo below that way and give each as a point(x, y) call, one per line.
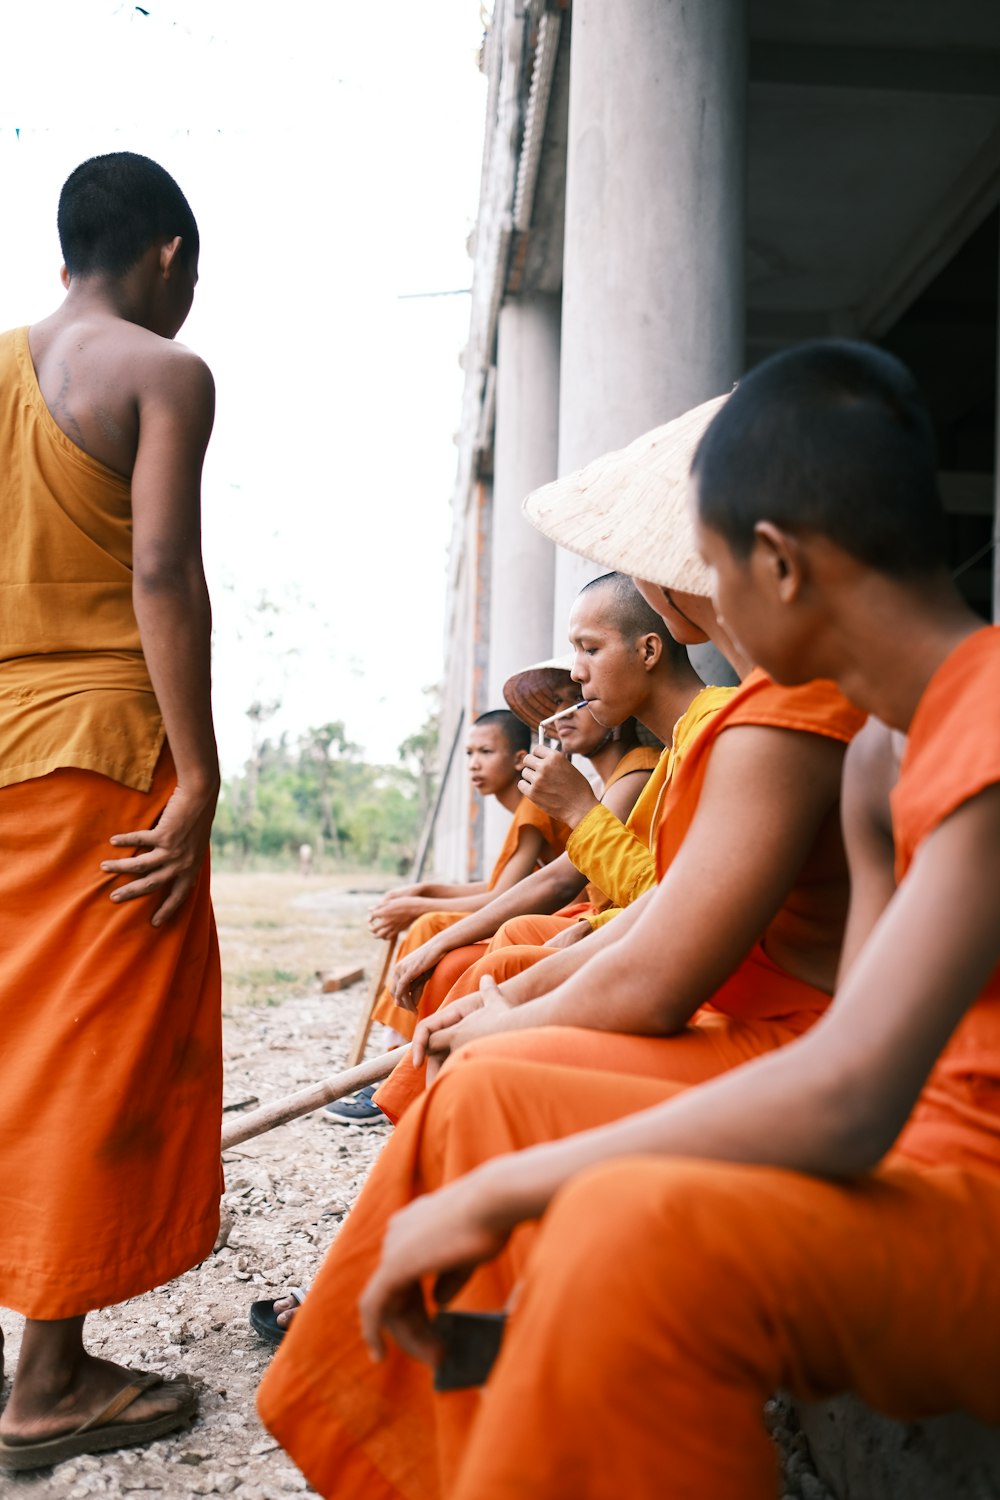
point(287, 1193)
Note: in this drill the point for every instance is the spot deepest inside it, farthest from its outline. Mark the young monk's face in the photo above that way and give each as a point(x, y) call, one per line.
point(578, 733)
point(493, 765)
point(749, 596)
point(612, 671)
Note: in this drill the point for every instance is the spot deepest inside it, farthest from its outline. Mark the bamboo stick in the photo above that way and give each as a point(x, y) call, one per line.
point(280, 1111)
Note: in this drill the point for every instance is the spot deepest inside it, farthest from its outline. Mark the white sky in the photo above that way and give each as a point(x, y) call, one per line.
point(331, 153)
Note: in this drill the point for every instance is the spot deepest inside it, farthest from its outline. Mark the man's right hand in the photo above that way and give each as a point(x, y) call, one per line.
point(169, 855)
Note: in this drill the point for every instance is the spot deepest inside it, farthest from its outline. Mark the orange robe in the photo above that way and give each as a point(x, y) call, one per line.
point(110, 1029)
point(642, 758)
point(787, 1280)
point(526, 815)
point(761, 1006)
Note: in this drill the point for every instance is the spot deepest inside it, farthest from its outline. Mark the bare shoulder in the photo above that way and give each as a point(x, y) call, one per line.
point(871, 770)
point(766, 757)
point(164, 365)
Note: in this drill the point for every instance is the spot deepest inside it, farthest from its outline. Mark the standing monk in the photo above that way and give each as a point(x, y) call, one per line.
point(109, 970)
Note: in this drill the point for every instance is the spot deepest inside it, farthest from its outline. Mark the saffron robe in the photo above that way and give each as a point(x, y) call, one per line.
point(617, 858)
point(788, 1280)
point(110, 1029)
point(526, 815)
point(762, 1005)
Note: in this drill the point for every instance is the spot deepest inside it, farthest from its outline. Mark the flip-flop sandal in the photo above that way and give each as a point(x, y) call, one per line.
point(103, 1432)
point(264, 1319)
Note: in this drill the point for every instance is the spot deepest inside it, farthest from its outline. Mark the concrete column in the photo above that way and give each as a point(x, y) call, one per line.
point(525, 455)
point(653, 281)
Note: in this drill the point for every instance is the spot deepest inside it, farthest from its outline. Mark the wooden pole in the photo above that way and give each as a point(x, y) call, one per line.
point(360, 1042)
point(306, 1100)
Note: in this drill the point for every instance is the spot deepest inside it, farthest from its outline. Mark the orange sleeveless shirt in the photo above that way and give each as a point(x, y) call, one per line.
point(74, 686)
point(952, 753)
point(812, 914)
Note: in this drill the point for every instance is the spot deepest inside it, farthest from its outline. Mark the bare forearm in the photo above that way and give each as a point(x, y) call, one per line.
point(543, 891)
point(439, 892)
point(564, 964)
point(175, 623)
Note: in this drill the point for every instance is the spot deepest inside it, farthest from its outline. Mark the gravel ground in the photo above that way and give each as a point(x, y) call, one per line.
point(286, 1196)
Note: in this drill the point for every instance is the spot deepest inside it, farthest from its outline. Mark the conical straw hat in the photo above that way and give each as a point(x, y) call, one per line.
point(531, 693)
point(628, 510)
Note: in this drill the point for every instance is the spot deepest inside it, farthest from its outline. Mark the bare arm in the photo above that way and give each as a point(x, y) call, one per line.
point(543, 891)
point(870, 772)
point(742, 855)
point(176, 411)
point(830, 1104)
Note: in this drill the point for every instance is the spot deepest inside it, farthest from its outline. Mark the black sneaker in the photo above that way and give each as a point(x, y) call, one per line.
point(357, 1111)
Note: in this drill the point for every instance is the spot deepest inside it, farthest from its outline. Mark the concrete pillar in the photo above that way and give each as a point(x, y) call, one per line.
point(525, 455)
point(653, 281)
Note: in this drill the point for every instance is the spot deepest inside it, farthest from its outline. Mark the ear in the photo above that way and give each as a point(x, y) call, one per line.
point(168, 255)
point(519, 759)
point(650, 651)
point(64, 277)
point(780, 558)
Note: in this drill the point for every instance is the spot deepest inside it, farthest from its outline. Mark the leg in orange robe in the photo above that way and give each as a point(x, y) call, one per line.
point(759, 1008)
point(359, 1429)
point(664, 1301)
point(112, 1093)
point(423, 929)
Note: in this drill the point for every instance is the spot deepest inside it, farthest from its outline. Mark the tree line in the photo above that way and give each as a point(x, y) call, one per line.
point(318, 791)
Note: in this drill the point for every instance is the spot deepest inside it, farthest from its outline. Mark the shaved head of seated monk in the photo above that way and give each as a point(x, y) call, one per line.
point(626, 664)
point(823, 1219)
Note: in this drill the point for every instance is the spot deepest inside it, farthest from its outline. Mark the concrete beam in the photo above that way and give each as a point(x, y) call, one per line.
point(909, 70)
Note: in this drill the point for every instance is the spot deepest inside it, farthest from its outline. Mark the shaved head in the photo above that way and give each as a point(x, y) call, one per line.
point(631, 615)
point(517, 734)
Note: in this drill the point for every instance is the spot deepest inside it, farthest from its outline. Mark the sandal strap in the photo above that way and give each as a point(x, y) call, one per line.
point(118, 1404)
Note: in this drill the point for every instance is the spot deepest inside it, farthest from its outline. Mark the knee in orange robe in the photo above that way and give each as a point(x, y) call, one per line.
point(366, 1431)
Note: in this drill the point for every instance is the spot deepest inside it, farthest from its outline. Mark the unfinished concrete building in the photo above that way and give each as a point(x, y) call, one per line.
point(671, 191)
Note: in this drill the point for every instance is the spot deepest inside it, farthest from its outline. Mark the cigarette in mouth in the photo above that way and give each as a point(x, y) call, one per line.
point(561, 714)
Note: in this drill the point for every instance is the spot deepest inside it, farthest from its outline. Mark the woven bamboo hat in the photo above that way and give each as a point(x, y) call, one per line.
point(531, 693)
point(628, 510)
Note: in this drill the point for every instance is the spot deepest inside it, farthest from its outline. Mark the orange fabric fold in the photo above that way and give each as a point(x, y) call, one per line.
point(111, 1035)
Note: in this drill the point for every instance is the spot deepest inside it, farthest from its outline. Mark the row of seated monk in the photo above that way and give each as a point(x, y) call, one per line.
point(631, 1113)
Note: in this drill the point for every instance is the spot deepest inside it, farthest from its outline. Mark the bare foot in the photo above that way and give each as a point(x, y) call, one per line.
point(34, 1414)
point(284, 1310)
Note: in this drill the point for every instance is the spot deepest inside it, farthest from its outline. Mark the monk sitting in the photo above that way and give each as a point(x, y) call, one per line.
point(744, 970)
point(495, 749)
point(826, 1218)
point(645, 675)
point(109, 967)
point(752, 904)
